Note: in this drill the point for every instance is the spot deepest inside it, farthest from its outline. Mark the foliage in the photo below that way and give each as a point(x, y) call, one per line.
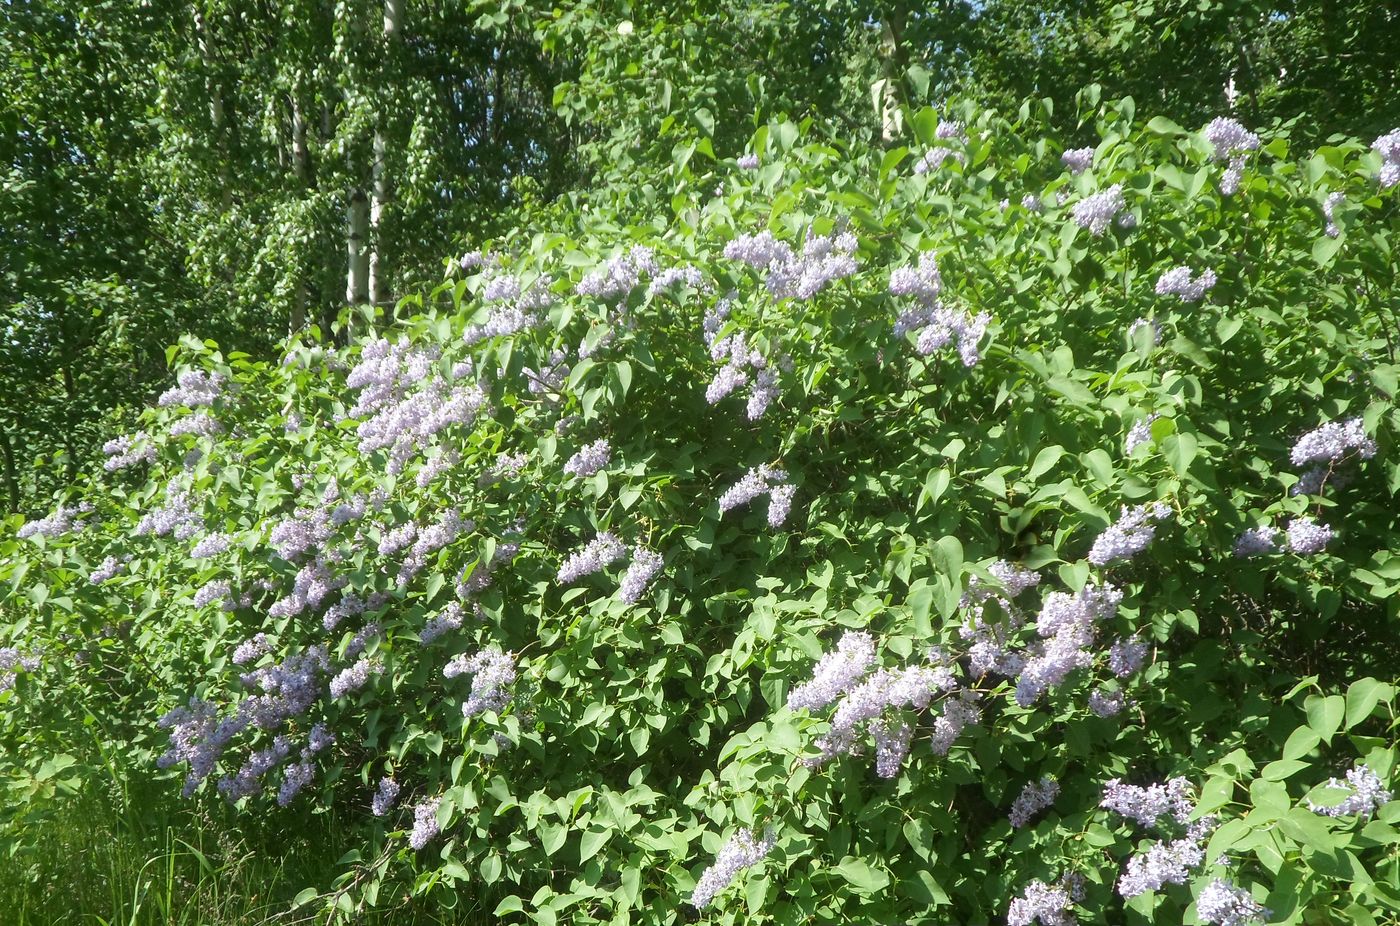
point(564, 753)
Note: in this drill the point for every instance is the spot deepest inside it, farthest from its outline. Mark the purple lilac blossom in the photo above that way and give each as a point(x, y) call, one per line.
point(620, 275)
point(493, 672)
point(1256, 541)
point(1329, 211)
point(1164, 862)
point(1365, 795)
point(835, 673)
point(592, 458)
point(384, 797)
point(1098, 211)
point(643, 568)
point(1139, 434)
point(1331, 442)
point(780, 503)
point(741, 851)
point(1228, 138)
point(958, 713)
point(450, 618)
point(1078, 160)
point(748, 162)
point(1066, 622)
point(194, 389)
point(108, 568)
point(425, 825)
point(127, 450)
point(1129, 535)
point(1306, 536)
point(1034, 797)
point(1107, 703)
point(1146, 806)
point(1221, 903)
point(251, 650)
point(1179, 282)
point(175, 518)
point(1031, 203)
point(353, 678)
point(1042, 902)
point(756, 482)
point(602, 550)
point(1126, 655)
point(1388, 147)
point(211, 544)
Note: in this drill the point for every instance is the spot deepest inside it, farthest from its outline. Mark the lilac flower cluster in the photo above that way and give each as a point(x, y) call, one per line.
point(1097, 212)
point(425, 824)
point(1107, 703)
point(175, 518)
point(507, 466)
point(404, 402)
point(600, 551)
point(1034, 797)
point(988, 640)
point(1165, 862)
point(739, 358)
point(643, 568)
point(1066, 625)
point(251, 650)
point(354, 677)
point(620, 275)
point(1388, 147)
point(592, 458)
point(312, 584)
point(1230, 141)
point(12, 661)
point(481, 576)
point(62, 520)
point(824, 259)
point(865, 702)
point(1145, 324)
point(193, 389)
point(835, 673)
point(211, 544)
point(1050, 905)
point(384, 796)
point(493, 673)
point(690, 276)
point(1139, 434)
point(366, 635)
point(549, 379)
point(1221, 903)
point(1331, 442)
point(1306, 536)
point(1179, 282)
point(1129, 535)
point(1078, 160)
point(1031, 203)
point(446, 529)
point(127, 450)
point(351, 605)
point(108, 569)
point(198, 737)
point(759, 481)
point(948, 131)
point(741, 851)
point(1329, 211)
point(748, 162)
point(1365, 793)
point(1126, 655)
point(435, 467)
point(958, 713)
point(287, 689)
point(1256, 541)
point(201, 424)
point(1146, 806)
point(450, 618)
point(514, 307)
point(934, 324)
point(247, 781)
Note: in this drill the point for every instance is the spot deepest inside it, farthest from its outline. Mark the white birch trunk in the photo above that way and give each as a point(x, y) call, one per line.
point(357, 250)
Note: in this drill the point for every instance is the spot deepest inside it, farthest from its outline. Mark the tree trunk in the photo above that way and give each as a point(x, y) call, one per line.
point(357, 252)
point(11, 481)
point(213, 88)
point(379, 188)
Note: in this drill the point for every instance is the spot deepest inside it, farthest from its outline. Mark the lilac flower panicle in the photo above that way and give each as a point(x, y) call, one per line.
point(835, 673)
point(1105, 703)
point(1163, 863)
point(296, 777)
point(592, 458)
point(1034, 797)
point(599, 552)
point(893, 739)
point(1043, 903)
point(450, 618)
point(1078, 160)
point(748, 162)
point(780, 503)
point(1256, 541)
point(251, 650)
point(1331, 442)
point(353, 678)
point(1365, 795)
point(1306, 537)
point(425, 825)
point(643, 568)
point(1129, 535)
point(493, 673)
point(62, 520)
point(212, 544)
point(385, 796)
point(1098, 211)
point(1329, 210)
point(127, 450)
point(194, 389)
point(958, 713)
point(756, 483)
point(741, 851)
point(1229, 139)
point(1031, 203)
point(1388, 147)
point(1221, 903)
point(1180, 282)
point(1125, 656)
point(107, 569)
point(1146, 806)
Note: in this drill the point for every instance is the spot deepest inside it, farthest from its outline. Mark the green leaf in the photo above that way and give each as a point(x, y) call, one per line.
point(1362, 697)
point(1325, 714)
point(591, 841)
point(861, 876)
